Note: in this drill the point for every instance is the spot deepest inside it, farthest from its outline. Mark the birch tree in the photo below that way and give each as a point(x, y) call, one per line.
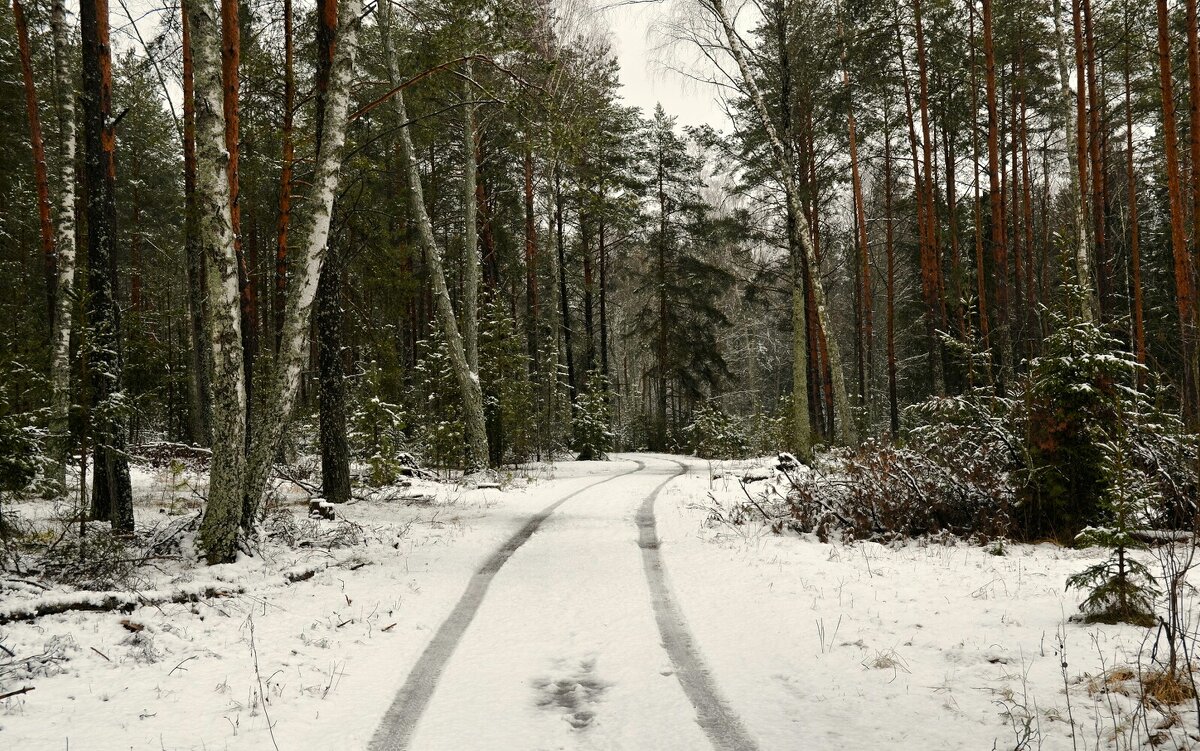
point(235, 492)
point(64, 246)
point(801, 239)
point(218, 531)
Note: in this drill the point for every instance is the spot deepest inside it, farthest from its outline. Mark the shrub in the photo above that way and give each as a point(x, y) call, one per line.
point(713, 434)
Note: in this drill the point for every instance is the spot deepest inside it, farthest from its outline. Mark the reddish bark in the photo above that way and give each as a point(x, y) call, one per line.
point(285, 176)
point(1184, 285)
point(41, 181)
point(996, 199)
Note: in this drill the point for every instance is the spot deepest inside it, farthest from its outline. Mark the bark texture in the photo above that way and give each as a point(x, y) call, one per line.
point(219, 529)
point(64, 294)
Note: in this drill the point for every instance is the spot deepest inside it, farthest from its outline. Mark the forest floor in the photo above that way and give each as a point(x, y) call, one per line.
point(625, 617)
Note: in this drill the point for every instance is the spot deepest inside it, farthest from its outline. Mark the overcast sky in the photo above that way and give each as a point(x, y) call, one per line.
point(647, 78)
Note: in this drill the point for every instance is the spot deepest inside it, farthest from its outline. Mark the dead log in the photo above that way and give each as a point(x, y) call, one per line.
point(125, 602)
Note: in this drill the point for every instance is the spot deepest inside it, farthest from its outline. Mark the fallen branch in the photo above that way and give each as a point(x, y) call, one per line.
point(125, 602)
point(18, 692)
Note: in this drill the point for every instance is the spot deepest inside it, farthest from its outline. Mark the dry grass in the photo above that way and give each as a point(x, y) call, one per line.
point(1166, 688)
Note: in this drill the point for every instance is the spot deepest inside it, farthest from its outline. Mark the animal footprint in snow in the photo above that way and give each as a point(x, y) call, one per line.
point(573, 693)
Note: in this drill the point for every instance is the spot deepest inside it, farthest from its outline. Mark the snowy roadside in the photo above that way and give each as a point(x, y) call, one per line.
point(902, 647)
point(327, 651)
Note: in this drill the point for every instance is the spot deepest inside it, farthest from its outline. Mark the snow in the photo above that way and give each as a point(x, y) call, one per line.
point(812, 645)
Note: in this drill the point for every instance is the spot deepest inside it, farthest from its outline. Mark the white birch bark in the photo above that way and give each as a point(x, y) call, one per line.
point(468, 380)
point(841, 402)
point(222, 514)
point(471, 231)
point(1083, 270)
point(64, 295)
point(317, 209)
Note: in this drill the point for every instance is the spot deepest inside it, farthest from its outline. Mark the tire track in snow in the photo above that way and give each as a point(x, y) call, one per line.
point(719, 722)
point(395, 731)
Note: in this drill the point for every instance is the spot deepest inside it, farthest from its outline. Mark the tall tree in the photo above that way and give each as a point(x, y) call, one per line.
point(216, 239)
point(468, 381)
point(64, 294)
point(41, 180)
point(112, 493)
point(1185, 290)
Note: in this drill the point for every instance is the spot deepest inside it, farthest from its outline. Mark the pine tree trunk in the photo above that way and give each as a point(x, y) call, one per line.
point(996, 197)
point(533, 333)
point(222, 515)
point(64, 294)
point(468, 380)
point(288, 157)
point(985, 335)
point(1193, 50)
point(470, 304)
point(1083, 273)
point(933, 257)
point(1096, 153)
point(893, 401)
point(865, 306)
point(199, 382)
point(563, 302)
point(927, 253)
point(40, 179)
point(1135, 251)
point(112, 495)
point(1184, 284)
point(335, 451)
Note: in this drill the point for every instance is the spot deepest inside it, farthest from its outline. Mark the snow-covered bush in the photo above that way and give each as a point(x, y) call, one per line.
point(713, 434)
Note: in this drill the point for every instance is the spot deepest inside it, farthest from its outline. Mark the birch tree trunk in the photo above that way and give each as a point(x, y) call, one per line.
point(470, 307)
point(64, 294)
point(218, 530)
point(802, 236)
point(302, 284)
point(468, 380)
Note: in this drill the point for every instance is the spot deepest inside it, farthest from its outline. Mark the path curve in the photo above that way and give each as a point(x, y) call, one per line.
point(719, 722)
point(396, 728)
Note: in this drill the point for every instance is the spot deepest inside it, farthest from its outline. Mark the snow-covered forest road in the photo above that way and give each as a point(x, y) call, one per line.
point(613, 605)
point(577, 605)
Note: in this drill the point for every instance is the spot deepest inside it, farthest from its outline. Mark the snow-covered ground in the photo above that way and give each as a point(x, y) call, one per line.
point(809, 645)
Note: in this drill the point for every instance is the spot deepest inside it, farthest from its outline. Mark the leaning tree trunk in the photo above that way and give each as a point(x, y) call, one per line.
point(802, 236)
point(468, 380)
point(64, 294)
point(284, 383)
point(218, 531)
point(302, 284)
point(112, 495)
